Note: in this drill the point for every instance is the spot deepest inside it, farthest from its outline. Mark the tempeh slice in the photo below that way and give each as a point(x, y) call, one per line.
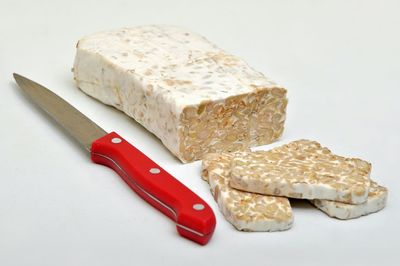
point(377, 197)
point(302, 169)
point(245, 211)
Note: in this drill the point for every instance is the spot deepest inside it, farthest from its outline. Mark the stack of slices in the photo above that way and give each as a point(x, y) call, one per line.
point(252, 188)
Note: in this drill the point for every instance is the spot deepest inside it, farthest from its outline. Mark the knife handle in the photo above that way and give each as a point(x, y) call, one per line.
point(194, 219)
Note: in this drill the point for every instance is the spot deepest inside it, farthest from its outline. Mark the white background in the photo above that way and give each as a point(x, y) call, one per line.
point(339, 60)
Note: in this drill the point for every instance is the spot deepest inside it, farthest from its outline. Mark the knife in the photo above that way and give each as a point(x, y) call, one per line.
point(193, 217)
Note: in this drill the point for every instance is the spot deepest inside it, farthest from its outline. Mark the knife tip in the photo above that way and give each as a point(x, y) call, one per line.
point(16, 76)
point(19, 78)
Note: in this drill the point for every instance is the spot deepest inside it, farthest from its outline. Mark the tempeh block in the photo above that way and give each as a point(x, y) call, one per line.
point(195, 97)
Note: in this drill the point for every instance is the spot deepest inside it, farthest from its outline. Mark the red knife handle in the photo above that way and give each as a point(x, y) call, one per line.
point(194, 219)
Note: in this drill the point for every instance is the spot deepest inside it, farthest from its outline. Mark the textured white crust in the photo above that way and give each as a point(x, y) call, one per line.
point(191, 94)
point(302, 169)
point(377, 198)
point(245, 211)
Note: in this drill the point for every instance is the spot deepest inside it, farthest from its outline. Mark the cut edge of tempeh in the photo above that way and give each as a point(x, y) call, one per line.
point(245, 211)
point(377, 198)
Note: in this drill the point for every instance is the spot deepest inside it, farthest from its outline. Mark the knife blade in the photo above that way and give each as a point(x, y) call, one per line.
point(193, 217)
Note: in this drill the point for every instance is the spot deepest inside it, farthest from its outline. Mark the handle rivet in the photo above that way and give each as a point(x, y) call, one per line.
point(116, 140)
point(154, 171)
point(198, 206)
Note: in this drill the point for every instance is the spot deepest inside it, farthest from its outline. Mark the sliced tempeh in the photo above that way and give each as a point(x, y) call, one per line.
point(377, 198)
point(302, 169)
point(245, 211)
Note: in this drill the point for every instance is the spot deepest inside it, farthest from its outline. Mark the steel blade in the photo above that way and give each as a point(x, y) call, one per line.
point(84, 130)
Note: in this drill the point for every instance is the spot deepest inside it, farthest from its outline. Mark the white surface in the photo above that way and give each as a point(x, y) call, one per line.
point(339, 61)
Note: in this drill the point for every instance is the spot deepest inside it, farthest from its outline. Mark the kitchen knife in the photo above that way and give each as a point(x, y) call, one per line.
point(194, 219)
